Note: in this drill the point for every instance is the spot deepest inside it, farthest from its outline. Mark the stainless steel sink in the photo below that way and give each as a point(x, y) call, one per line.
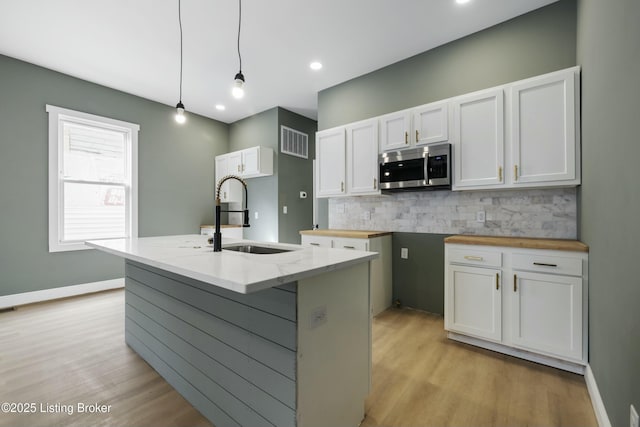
point(253, 249)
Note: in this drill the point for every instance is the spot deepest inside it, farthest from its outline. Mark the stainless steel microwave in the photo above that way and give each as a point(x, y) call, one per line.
point(424, 168)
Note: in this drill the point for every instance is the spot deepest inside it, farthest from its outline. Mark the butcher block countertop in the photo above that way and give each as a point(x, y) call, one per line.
point(355, 234)
point(520, 242)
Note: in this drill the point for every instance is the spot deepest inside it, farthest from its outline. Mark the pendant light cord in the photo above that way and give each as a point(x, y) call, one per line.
point(180, 24)
point(239, 26)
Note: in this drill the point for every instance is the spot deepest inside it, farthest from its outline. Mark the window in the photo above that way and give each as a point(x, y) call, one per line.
point(92, 179)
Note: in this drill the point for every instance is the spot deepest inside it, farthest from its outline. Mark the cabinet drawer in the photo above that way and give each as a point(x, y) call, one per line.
point(569, 266)
point(357, 244)
point(473, 256)
point(320, 241)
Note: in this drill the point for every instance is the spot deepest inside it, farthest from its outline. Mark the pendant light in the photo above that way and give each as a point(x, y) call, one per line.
point(180, 117)
point(238, 85)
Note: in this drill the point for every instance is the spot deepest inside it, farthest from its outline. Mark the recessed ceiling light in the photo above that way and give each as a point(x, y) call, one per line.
point(462, 1)
point(315, 65)
point(220, 107)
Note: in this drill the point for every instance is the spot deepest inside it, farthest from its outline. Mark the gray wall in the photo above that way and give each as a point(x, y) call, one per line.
point(609, 52)
point(259, 129)
point(536, 43)
point(267, 195)
point(539, 42)
point(175, 171)
point(295, 175)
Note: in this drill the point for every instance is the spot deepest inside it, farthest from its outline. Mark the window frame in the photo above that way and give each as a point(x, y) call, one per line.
point(58, 115)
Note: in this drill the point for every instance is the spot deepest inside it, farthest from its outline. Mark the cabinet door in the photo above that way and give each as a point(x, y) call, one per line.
point(473, 302)
point(547, 313)
point(231, 190)
point(362, 158)
point(330, 160)
point(250, 161)
point(543, 124)
point(431, 123)
point(478, 140)
point(394, 131)
point(235, 163)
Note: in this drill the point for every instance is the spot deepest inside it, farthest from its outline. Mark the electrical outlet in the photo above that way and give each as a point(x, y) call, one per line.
point(284, 210)
point(255, 215)
point(366, 215)
point(480, 216)
point(633, 417)
point(404, 253)
point(318, 316)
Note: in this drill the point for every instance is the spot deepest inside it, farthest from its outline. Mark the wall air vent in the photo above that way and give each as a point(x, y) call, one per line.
point(294, 143)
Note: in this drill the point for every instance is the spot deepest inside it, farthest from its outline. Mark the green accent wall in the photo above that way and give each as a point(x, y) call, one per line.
point(535, 43)
point(268, 195)
point(175, 174)
point(609, 53)
point(418, 281)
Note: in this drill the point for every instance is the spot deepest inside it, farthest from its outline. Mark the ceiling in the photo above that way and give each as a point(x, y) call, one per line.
point(134, 45)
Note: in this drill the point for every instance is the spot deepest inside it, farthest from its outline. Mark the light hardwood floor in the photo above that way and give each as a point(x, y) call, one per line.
point(73, 350)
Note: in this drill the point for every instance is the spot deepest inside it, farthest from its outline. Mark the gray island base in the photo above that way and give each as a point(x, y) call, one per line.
point(296, 354)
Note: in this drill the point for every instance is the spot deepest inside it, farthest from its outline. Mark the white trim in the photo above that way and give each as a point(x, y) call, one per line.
point(56, 114)
point(14, 300)
point(596, 399)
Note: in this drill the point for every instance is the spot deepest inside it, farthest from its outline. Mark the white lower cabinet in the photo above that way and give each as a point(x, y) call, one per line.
point(530, 303)
point(380, 268)
point(475, 301)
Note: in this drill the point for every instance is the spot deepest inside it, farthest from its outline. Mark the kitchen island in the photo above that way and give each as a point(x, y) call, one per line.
point(280, 339)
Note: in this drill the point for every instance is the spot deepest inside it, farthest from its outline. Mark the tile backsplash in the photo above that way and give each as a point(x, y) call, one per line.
point(550, 213)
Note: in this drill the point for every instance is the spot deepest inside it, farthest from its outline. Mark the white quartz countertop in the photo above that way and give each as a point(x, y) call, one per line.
point(192, 256)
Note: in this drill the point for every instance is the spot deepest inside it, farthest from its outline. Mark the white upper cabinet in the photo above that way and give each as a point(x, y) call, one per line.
point(544, 126)
point(249, 163)
point(534, 142)
point(478, 139)
point(231, 190)
point(431, 123)
point(331, 163)
point(394, 131)
point(254, 162)
point(362, 158)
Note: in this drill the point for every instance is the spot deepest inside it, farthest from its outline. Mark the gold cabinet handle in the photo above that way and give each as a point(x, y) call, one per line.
point(500, 174)
point(497, 281)
point(515, 283)
point(473, 258)
point(515, 172)
point(417, 135)
point(342, 186)
point(406, 137)
point(375, 184)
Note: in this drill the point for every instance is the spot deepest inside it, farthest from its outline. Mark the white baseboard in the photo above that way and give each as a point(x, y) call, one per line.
point(14, 300)
point(596, 399)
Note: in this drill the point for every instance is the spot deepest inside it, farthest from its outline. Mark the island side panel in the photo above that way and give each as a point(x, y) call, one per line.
point(334, 347)
point(232, 356)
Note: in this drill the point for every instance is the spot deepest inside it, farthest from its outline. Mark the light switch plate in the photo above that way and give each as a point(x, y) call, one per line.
point(480, 216)
point(404, 253)
point(284, 210)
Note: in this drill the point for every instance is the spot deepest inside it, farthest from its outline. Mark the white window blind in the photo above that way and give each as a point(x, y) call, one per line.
point(92, 180)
